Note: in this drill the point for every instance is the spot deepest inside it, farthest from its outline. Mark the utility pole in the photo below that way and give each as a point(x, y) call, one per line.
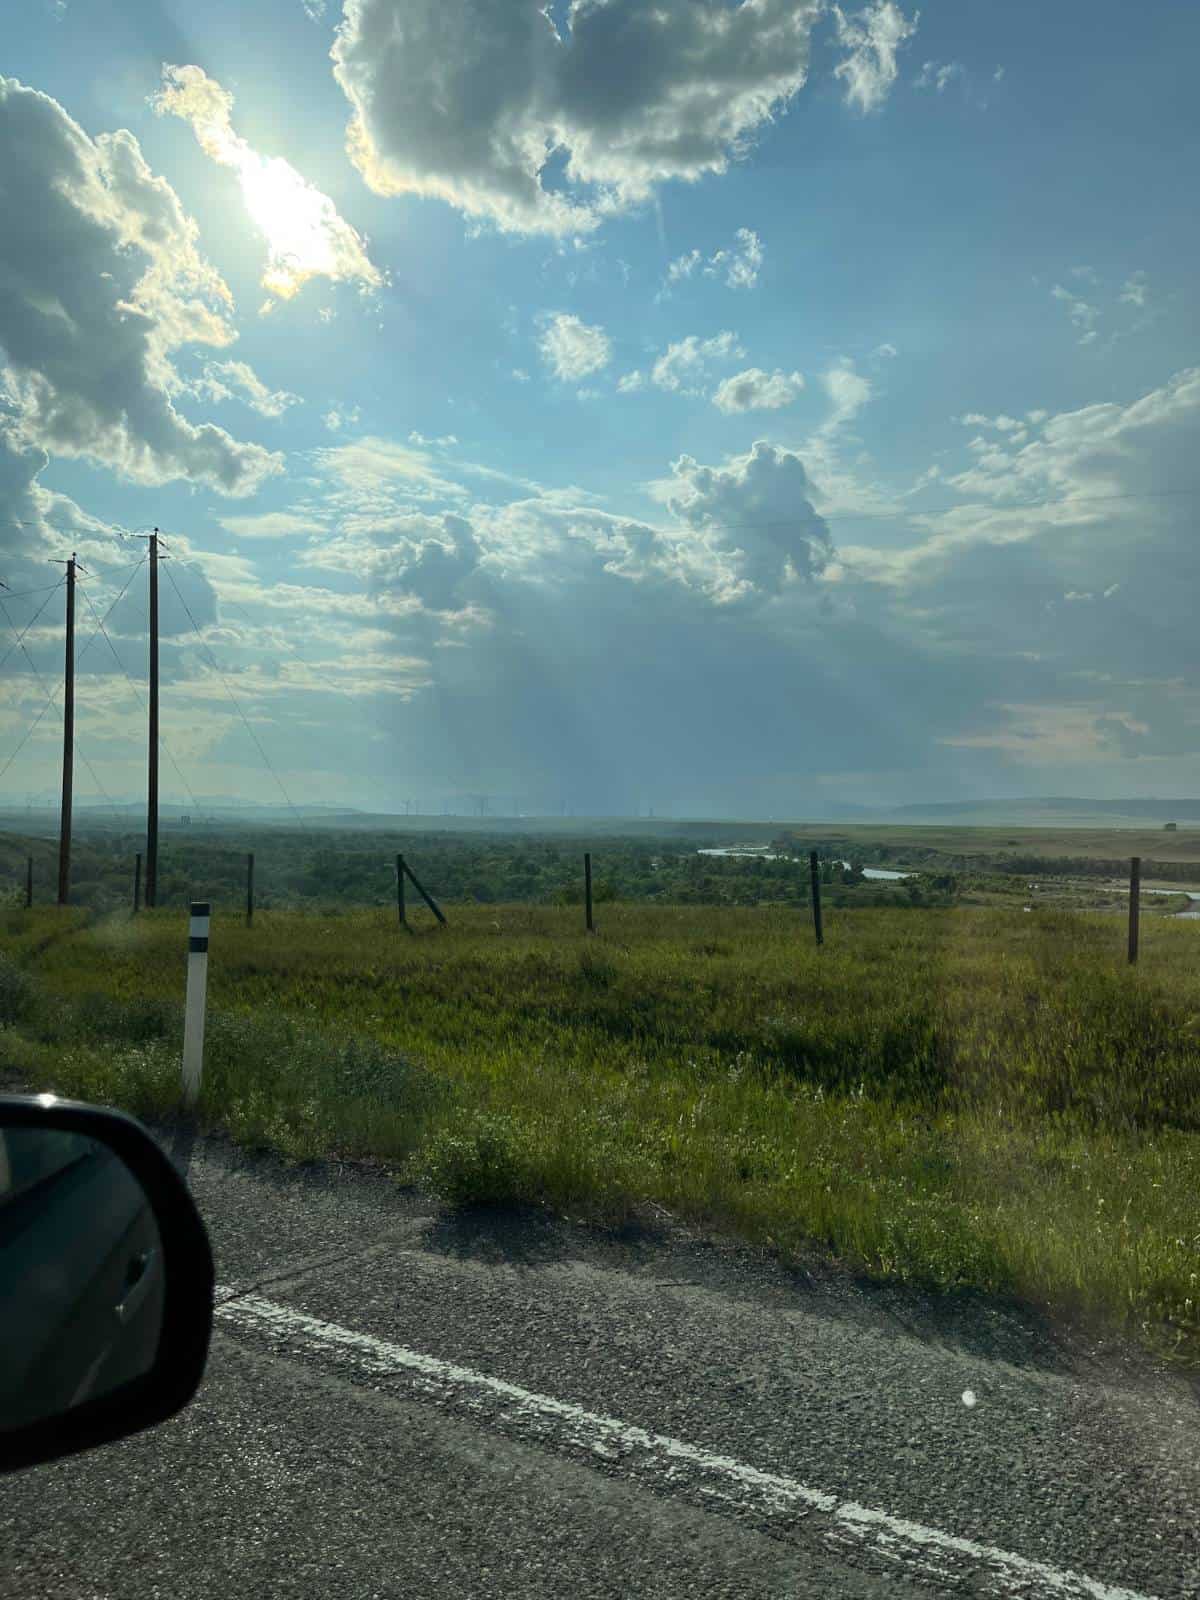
point(68, 763)
point(152, 785)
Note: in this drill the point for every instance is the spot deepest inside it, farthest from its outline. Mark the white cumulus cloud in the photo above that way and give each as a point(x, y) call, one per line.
point(684, 364)
point(101, 281)
point(756, 390)
point(572, 349)
point(467, 100)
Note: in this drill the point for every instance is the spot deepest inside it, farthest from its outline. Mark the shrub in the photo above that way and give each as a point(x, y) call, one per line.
point(480, 1164)
point(18, 992)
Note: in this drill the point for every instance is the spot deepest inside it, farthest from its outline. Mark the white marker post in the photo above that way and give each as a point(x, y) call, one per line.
point(197, 987)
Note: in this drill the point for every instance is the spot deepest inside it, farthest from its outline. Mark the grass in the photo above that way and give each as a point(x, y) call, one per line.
point(952, 1098)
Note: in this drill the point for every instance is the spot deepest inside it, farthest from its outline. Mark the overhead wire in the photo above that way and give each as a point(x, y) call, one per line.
point(233, 700)
point(31, 621)
point(137, 696)
point(52, 697)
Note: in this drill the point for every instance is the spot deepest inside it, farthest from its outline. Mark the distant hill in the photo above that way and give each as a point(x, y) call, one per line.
point(1056, 811)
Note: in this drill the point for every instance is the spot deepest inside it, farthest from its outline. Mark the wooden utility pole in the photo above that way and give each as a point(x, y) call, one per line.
point(814, 868)
point(68, 763)
point(152, 787)
point(1135, 894)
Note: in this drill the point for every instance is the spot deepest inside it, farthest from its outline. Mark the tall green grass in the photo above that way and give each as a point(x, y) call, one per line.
point(951, 1098)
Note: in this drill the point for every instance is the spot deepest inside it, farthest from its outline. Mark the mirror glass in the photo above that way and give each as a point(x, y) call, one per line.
point(81, 1274)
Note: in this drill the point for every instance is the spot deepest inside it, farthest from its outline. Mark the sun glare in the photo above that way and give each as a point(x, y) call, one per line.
point(306, 237)
point(295, 219)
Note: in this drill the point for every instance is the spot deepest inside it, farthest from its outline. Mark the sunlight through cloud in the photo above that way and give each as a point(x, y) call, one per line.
point(306, 237)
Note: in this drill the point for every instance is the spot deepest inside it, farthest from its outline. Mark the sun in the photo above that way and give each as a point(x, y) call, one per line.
point(298, 222)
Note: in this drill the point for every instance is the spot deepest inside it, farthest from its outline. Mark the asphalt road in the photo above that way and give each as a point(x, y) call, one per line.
point(405, 1403)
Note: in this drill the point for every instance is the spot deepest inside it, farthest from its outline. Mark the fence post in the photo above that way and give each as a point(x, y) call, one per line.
point(425, 895)
point(814, 869)
point(137, 883)
point(401, 908)
point(197, 986)
point(587, 888)
point(249, 888)
point(1135, 890)
point(28, 882)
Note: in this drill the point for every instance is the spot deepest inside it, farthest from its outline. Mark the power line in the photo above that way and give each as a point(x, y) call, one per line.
point(258, 744)
point(21, 594)
point(111, 608)
point(42, 685)
point(137, 693)
point(336, 688)
point(53, 589)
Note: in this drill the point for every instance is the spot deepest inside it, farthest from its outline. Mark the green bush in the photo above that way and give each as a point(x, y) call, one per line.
point(480, 1164)
point(18, 992)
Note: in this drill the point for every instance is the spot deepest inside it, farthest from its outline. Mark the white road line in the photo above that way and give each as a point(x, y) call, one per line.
point(670, 1461)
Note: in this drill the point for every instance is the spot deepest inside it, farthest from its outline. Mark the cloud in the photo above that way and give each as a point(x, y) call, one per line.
point(755, 517)
point(1135, 290)
point(273, 525)
point(631, 383)
point(467, 101)
point(1082, 314)
point(306, 237)
point(443, 443)
point(685, 363)
point(756, 390)
point(220, 380)
point(100, 282)
point(872, 37)
point(683, 266)
point(848, 391)
point(933, 76)
point(339, 417)
point(570, 348)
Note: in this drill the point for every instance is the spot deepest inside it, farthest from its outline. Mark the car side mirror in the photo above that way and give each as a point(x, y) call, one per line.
point(106, 1281)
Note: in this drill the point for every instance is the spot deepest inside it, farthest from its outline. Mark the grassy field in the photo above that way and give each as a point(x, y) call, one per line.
point(949, 1097)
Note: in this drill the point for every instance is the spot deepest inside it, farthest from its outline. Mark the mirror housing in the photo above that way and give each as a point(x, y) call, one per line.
point(187, 1290)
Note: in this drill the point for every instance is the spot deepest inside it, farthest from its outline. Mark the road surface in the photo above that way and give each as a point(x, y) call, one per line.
point(400, 1402)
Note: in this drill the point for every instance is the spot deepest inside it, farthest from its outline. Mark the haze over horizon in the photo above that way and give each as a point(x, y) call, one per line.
point(521, 427)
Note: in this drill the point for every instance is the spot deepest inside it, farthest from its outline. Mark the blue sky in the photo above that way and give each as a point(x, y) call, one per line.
point(726, 408)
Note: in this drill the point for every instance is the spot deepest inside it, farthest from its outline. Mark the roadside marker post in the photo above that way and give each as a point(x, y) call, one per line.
point(197, 987)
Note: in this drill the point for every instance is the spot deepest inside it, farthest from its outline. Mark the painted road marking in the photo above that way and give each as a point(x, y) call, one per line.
point(669, 1462)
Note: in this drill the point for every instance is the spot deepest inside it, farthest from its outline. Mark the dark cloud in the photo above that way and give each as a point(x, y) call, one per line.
point(468, 100)
point(100, 280)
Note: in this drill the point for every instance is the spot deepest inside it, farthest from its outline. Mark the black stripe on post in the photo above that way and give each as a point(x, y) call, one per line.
point(197, 944)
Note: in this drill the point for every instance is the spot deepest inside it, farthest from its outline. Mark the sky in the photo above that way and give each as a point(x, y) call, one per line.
point(713, 407)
